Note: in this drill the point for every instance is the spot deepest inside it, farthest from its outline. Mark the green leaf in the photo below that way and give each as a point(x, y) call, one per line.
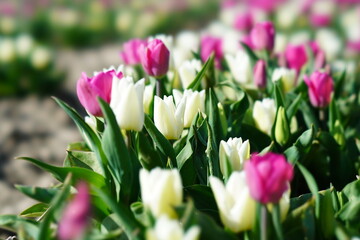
point(194, 85)
point(84, 160)
point(294, 106)
point(212, 154)
point(160, 141)
point(327, 220)
point(278, 95)
point(213, 114)
point(306, 138)
point(15, 223)
point(60, 173)
point(133, 229)
point(89, 134)
point(310, 180)
point(116, 152)
point(40, 194)
point(250, 52)
point(203, 197)
point(35, 211)
point(210, 230)
point(148, 156)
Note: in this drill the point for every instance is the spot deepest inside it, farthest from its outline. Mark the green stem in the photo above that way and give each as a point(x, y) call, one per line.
point(159, 91)
point(277, 221)
point(264, 223)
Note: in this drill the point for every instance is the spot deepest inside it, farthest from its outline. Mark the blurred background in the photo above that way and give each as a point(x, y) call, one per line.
point(45, 45)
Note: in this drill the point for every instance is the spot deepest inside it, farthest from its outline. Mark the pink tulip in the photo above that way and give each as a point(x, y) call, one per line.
point(155, 58)
point(268, 177)
point(88, 89)
point(266, 5)
point(353, 46)
point(75, 217)
point(211, 45)
point(296, 56)
point(320, 88)
point(260, 74)
point(247, 40)
point(320, 20)
point(263, 36)
point(130, 53)
point(244, 21)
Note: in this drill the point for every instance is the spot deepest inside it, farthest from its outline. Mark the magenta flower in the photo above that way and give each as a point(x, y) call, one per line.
point(268, 177)
point(263, 36)
point(266, 5)
point(247, 40)
point(155, 58)
point(131, 51)
point(320, 88)
point(296, 56)
point(88, 89)
point(75, 217)
point(260, 74)
point(320, 20)
point(244, 21)
point(211, 45)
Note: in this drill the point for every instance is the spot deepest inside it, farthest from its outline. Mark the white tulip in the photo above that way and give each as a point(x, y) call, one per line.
point(188, 71)
point(40, 57)
point(161, 191)
point(24, 44)
point(300, 37)
point(240, 67)
point(286, 76)
point(168, 229)
point(287, 14)
point(280, 43)
point(127, 103)
point(188, 41)
point(330, 42)
point(235, 151)
point(148, 97)
point(236, 207)
point(168, 118)
point(231, 41)
point(7, 50)
point(264, 113)
point(195, 102)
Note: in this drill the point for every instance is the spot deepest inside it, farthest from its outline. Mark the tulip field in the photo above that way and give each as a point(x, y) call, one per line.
point(247, 128)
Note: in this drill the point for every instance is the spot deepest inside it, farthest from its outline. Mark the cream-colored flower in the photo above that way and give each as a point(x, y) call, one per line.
point(264, 113)
point(286, 76)
point(240, 67)
point(188, 71)
point(235, 151)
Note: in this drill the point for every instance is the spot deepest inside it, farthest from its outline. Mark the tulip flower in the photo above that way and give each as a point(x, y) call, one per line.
point(236, 207)
point(268, 177)
point(161, 191)
point(320, 88)
point(264, 113)
point(155, 58)
point(131, 51)
point(235, 152)
point(260, 74)
point(240, 67)
point(296, 56)
point(100, 85)
point(168, 118)
point(211, 45)
point(76, 215)
point(265, 5)
point(127, 103)
point(263, 36)
point(167, 229)
point(188, 71)
point(195, 102)
point(244, 21)
point(148, 98)
point(287, 78)
point(282, 129)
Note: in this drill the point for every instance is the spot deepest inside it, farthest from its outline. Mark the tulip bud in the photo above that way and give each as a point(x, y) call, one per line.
point(244, 21)
point(168, 118)
point(211, 45)
point(268, 177)
point(155, 58)
point(188, 71)
point(263, 36)
point(166, 229)
point(195, 102)
point(88, 89)
point(148, 98)
point(161, 191)
point(240, 67)
point(131, 51)
point(236, 207)
point(282, 130)
point(264, 113)
point(339, 133)
point(127, 103)
point(287, 78)
point(260, 74)
point(296, 56)
point(76, 215)
point(40, 57)
point(320, 88)
point(235, 152)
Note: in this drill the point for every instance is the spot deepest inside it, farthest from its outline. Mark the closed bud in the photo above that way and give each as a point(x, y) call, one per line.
point(168, 118)
point(234, 152)
point(131, 51)
point(155, 58)
point(211, 45)
point(188, 71)
point(127, 103)
point(282, 130)
point(339, 133)
point(148, 98)
point(264, 114)
point(320, 88)
point(236, 207)
point(161, 191)
point(260, 74)
point(286, 76)
point(263, 36)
